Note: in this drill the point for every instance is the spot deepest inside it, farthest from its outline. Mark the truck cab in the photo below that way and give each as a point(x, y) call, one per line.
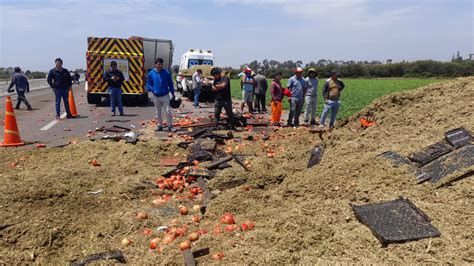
point(191, 60)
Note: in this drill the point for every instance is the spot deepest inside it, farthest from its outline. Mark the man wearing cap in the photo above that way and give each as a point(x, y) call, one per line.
point(159, 82)
point(331, 93)
point(297, 86)
point(247, 82)
point(22, 86)
point(311, 98)
point(221, 87)
point(60, 81)
point(260, 91)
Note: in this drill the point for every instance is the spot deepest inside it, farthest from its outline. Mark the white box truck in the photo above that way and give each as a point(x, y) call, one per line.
point(190, 61)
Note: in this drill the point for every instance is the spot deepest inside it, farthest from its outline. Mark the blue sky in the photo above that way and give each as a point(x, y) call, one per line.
point(33, 33)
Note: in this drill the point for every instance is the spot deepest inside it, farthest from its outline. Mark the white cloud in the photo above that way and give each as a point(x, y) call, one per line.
point(334, 13)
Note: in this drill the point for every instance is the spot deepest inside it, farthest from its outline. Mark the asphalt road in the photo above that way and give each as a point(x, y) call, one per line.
point(40, 125)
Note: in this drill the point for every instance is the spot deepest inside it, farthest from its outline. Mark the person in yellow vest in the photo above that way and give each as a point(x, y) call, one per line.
point(331, 93)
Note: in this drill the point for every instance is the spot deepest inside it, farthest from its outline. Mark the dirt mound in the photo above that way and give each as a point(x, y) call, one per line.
point(301, 215)
point(206, 71)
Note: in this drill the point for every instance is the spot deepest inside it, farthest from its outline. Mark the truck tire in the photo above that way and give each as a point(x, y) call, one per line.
point(93, 98)
point(144, 99)
point(190, 95)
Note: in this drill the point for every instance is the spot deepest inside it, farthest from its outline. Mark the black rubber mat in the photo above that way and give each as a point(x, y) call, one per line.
point(316, 156)
point(430, 153)
point(458, 137)
point(395, 157)
point(447, 164)
point(395, 221)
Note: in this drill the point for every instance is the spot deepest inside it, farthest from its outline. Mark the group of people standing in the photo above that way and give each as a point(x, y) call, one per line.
point(254, 89)
point(300, 91)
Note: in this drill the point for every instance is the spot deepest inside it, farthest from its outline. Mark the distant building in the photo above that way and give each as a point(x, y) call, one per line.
point(389, 61)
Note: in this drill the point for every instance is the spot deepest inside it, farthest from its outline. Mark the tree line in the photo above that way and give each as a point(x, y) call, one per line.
point(364, 69)
point(7, 72)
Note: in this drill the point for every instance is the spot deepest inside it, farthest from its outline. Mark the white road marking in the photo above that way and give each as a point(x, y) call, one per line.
point(52, 123)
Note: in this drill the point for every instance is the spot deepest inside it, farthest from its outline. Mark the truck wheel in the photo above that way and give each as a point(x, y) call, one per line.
point(93, 98)
point(144, 99)
point(190, 95)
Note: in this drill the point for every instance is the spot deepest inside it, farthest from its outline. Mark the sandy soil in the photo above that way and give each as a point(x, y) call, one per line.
point(301, 215)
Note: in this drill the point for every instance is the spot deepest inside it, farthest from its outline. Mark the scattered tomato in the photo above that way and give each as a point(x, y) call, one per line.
point(185, 245)
point(193, 236)
point(196, 208)
point(229, 227)
point(217, 256)
point(196, 218)
point(250, 224)
point(94, 162)
point(142, 215)
point(227, 218)
point(183, 210)
point(154, 243)
point(126, 242)
point(168, 238)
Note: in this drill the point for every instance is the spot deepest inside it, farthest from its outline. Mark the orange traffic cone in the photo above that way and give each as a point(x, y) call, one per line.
point(72, 104)
point(12, 135)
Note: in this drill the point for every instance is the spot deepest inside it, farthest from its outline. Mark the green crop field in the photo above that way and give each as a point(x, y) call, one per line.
point(357, 94)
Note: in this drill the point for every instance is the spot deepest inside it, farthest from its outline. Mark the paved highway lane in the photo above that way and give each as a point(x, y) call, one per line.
point(40, 124)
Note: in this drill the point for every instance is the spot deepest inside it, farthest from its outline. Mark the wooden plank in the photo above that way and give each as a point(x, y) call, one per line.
point(207, 194)
point(210, 124)
point(237, 159)
point(216, 163)
point(188, 258)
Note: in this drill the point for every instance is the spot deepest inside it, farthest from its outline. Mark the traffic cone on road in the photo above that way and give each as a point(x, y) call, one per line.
point(72, 104)
point(12, 135)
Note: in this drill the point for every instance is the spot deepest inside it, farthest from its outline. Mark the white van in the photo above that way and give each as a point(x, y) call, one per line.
point(193, 57)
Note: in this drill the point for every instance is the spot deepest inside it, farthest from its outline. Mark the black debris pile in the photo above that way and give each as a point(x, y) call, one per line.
point(458, 137)
point(396, 158)
point(448, 164)
point(430, 153)
point(440, 159)
point(316, 156)
point(395, 221)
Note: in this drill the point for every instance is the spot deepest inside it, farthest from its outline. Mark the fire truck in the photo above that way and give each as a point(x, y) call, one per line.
point(135, 57)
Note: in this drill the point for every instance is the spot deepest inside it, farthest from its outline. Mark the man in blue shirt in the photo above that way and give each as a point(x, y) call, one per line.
point(115, 78)
point(247, 82)
point(159, 82)
point(22, 86)
point(60, 81)
point(297, 86)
